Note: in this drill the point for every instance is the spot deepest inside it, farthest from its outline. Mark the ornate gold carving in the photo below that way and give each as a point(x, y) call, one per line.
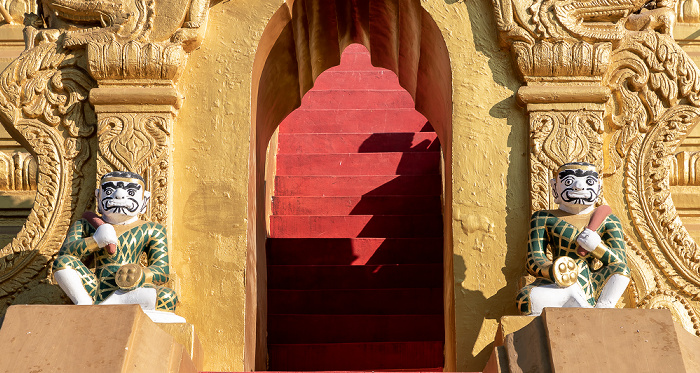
point(546, 60)
point(135, 60)
point(580, 131)
point(591, 21)
point(138, 142)
point(650, 203)
point(680, 308)
point(17, 171)
point(100, 21)
point(557, 137)
point(43, 99)
point(649, 74)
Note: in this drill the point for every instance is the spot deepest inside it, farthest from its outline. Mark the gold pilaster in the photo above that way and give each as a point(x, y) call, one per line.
point(565, 102)
point(134, 132)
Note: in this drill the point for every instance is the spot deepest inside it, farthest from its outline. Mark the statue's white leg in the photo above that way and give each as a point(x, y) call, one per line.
point(578, 297)
point(547, 296)
point(554, 296)
point(145, 297)
point(69, 280)
point(612, 291)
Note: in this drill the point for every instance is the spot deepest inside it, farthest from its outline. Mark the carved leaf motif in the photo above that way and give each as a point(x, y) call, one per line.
point(132, 142)
point(138, 142)
point(560, 137)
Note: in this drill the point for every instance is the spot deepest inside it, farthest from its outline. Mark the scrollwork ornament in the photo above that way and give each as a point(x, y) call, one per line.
point(649, 73)
point(651, 206)
point(680, 309)
point(43, 98)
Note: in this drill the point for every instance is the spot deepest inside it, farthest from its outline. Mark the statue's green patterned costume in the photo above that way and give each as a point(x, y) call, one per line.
point(139, 237)
point(549, 230)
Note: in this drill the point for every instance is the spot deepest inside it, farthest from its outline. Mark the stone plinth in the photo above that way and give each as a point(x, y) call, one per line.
point(569, 340)
point(87, 339)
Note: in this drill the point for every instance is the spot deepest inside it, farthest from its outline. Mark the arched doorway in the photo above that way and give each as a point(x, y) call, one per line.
point(354, 253)
point(303, 39)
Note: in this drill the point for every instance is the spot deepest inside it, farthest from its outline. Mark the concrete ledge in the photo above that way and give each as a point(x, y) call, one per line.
point(567, 340)
point(87, 339)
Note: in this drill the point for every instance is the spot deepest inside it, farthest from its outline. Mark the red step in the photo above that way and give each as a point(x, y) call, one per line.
point(364, 205)
point(357, 356)
point(386, 276)
point(357, 99)
point(331, 185)
point(376, 79)
point(410, 301)
point(427, 163)
point(310, 143)
point(356, 161)
point(357, 251)
point(299, 226)
point(354, 121)
point(354, 328)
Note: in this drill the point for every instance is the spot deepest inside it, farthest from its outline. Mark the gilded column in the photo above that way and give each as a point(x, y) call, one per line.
point(566, 104)
point(136, 104)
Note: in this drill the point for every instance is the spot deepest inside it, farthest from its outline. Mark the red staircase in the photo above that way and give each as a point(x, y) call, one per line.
point(355, 254)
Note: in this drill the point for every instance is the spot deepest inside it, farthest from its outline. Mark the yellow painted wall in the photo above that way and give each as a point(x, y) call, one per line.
point(490, 179)
point(211, 139)
point(211, 161)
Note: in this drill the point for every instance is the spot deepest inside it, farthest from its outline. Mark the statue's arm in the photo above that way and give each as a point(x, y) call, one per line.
point(611, 249)
point(537, 262)
point(79, 242)
point(158, 270)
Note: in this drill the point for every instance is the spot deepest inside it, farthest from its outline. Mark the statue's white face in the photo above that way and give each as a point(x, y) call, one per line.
point(576, 187)
point(121, 199)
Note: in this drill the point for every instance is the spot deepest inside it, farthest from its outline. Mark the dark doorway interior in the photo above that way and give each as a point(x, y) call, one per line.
point(355, 255)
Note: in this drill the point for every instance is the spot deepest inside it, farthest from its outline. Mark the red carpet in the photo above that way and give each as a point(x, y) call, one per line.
point(355, 254)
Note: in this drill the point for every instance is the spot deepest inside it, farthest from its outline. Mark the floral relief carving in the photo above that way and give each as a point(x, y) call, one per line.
point(137, 142)
point(581, 131)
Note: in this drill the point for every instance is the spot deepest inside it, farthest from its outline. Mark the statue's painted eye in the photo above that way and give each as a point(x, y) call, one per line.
point(590, 181)
point(568, 182)
point(109, 191)
point(132, 192)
